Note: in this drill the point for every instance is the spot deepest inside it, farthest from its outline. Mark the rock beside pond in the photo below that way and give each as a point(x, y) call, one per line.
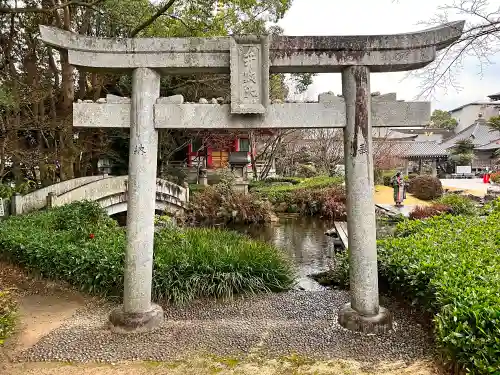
point(331, 233)
point(282, 207)
point(492, 193)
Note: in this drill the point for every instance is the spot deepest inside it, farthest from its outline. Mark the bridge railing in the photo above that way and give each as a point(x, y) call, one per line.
point(97, 188)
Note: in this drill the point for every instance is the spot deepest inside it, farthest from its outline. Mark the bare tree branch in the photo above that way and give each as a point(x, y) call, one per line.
point(480, 40)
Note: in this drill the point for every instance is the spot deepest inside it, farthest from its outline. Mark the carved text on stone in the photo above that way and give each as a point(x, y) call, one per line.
point(250, 84)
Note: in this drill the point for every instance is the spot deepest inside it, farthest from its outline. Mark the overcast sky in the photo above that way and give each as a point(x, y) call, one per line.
point(335, 17)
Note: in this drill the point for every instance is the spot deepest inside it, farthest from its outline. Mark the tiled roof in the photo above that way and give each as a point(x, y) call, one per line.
point(479, 133)
point(429, 149)
point(415, 149)
point(489, 146)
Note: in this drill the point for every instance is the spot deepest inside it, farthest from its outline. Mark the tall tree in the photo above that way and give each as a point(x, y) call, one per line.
point(442, 120)
point(38, 85)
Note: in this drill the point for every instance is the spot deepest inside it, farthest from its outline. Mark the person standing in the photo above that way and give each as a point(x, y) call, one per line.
point(399, 187)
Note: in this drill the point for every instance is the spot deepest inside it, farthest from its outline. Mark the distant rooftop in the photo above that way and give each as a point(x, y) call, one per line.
point(479, 102)
point(479, 133)
point(494, 96)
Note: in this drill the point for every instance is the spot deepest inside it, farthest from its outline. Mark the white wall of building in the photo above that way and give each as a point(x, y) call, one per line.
point(467, 115)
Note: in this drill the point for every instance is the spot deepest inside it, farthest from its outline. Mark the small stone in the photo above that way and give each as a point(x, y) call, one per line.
point(203, 101)
point(277, 101)
point(88, 101)
point(214, 101)
point(220, 100)
point(79, 101)
point(173, 99)
point(101, 100)
point(115, 99)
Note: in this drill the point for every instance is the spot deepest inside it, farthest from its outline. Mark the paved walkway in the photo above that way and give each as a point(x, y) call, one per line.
point(474, 186)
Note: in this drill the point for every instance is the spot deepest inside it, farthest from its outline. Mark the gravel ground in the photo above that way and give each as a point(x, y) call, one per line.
point(267, 326)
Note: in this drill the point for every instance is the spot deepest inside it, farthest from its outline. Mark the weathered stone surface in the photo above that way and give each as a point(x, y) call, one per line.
point(101, 101)
point(111, 193)
point(36, 200)
point(327, 114)
point(382, 53)
point(379, 323)
point(249, 74)
point(361, 221)
point(124, 322)
point(173, 99)
point(203, 101)
point(492, 193)
point(93, 115)
point(141, 194)
point(214, 101)
point(115, 99)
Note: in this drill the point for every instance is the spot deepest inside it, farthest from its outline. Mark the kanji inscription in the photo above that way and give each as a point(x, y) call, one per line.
point(249, 74)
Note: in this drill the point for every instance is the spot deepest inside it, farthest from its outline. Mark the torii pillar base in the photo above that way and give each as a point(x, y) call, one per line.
point(127, 323)
point(374, 324)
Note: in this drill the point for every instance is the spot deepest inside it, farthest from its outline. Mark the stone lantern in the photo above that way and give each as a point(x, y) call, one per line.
point(238, 162)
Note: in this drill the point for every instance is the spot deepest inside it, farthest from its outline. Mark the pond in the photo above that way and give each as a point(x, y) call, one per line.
point(304, 239)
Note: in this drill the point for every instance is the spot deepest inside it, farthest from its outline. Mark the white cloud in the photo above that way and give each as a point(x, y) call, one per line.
point(354, 17)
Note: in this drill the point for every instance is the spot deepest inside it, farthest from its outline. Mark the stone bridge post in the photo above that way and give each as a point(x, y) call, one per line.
point(137, 313)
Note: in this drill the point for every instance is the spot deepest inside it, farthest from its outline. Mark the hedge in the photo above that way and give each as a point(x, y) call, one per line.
point(451, 266)
point(78, 243)
point(282, 193)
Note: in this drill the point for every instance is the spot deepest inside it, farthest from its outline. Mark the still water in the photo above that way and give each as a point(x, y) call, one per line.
point(304, 239)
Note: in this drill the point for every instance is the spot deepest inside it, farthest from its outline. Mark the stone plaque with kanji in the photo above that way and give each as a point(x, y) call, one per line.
point(249, 74)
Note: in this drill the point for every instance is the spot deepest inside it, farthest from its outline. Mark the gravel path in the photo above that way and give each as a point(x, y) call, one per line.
point(257, 327)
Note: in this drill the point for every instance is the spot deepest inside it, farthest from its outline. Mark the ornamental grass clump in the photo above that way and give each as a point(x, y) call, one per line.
point(450, 265)
point(199, 262)
point(80, 244)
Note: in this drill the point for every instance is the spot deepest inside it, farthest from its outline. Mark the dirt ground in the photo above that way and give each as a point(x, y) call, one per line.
point(45, 306)
point(385, 195)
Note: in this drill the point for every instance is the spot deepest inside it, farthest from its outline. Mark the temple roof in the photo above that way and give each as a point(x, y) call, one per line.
point(479, 133)
point(495, 145)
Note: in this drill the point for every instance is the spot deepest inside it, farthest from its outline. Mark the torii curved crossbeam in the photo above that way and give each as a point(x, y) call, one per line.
point(287, 54)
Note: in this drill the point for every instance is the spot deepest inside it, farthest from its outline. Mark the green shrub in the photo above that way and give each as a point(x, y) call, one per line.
point(292, 180)
point(218, 204)
point(190, 263)
point(387, 180)
point(6, 191)
point(425, 187)
point(307, 171)
point(283, 193)
point(459, 204)
point(8, 310)
point(328, 202)
point(450, 265)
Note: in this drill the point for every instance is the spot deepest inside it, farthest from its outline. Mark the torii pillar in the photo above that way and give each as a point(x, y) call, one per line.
point(249, 59)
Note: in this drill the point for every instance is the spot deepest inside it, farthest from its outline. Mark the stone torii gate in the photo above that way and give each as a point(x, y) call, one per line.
point(249, 59)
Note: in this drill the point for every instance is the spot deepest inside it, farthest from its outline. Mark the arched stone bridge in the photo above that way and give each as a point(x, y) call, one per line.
point(110, 192)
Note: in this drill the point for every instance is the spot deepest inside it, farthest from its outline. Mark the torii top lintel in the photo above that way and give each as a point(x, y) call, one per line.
point(287, 54)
